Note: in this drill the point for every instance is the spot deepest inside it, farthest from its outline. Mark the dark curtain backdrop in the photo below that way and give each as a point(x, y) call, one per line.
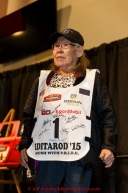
point(112, 61)
point(16, 85)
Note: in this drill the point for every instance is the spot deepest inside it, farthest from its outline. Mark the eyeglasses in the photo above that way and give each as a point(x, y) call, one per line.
point(64, 46)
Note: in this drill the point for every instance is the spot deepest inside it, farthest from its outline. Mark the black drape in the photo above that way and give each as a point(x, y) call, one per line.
point(1, 93)
point(16, 85)
point(112, 61)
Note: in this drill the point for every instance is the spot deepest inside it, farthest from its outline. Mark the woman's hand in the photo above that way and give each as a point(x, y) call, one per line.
point(107, 157)
point(24, 158)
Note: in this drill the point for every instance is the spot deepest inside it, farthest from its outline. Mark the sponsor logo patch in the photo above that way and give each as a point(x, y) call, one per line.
point(42, 93)
point(73, 96)
point(84, 91)
point(52, 97)
point(69, 111)
point(45, 112)
point(72, 102)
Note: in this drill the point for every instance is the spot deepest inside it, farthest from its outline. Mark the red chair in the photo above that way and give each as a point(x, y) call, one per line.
point(9, 153)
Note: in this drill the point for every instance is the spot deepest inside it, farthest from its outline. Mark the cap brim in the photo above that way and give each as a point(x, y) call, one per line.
point(53, 37)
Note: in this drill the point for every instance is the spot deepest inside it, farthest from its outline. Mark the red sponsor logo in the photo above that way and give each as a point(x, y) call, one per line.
point(46, 112)
point(68, 111)
point(52, 97)
point(41, 93)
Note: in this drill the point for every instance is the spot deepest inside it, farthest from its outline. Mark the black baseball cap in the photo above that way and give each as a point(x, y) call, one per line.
point(70, 34)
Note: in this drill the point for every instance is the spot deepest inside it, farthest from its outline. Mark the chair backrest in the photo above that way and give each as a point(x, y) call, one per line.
point(9, 153)
point(9, 117)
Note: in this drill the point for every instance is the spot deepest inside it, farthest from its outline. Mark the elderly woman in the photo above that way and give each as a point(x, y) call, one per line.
point(76, 122)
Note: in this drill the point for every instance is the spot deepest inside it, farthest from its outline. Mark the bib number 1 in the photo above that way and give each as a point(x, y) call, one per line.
point(56, 133)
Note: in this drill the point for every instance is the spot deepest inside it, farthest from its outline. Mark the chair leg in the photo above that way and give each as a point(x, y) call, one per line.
point(16, 181)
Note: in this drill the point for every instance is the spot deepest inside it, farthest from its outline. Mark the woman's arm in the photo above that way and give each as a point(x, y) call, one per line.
point(28, 122)
point(107, 120)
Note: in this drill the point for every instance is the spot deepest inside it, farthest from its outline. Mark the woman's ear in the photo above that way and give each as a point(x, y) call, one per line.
point(80, 52)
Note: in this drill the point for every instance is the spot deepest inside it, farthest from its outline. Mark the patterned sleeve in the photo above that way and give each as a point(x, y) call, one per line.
point(28, 120)
point(29, 108)
point(106, 115)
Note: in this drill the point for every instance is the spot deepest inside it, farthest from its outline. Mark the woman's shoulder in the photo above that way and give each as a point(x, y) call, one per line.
point(99, 80)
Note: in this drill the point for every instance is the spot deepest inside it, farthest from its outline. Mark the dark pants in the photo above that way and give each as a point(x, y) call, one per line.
point(51, 174)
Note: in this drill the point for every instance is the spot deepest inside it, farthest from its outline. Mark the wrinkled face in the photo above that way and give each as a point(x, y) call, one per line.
point(66, 59)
